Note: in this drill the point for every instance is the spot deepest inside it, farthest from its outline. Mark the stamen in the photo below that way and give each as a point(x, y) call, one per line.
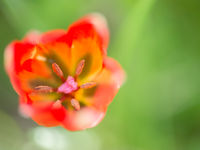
point(80, 67)
point(88, 85)
point(57, 104)
point(58, 71)
point(75, 104)
point(43, 89)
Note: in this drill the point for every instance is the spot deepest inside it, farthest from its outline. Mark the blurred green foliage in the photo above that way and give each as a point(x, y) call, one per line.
point(157, 43)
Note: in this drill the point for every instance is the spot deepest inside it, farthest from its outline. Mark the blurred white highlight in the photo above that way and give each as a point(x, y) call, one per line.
point(61, 139)
point(49, 138)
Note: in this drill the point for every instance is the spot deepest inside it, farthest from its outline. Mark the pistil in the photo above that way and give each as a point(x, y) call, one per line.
point(69, 86)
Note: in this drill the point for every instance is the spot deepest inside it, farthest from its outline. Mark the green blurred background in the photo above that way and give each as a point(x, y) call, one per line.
point(156, 41)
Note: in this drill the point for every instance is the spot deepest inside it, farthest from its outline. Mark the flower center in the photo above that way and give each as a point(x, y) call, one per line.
point(68, 86)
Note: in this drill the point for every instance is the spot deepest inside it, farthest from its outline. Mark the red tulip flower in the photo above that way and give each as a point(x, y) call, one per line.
point(64, 77)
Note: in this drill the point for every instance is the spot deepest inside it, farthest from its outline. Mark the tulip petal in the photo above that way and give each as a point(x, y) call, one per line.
point(59, 53)
point(13, 55)
point(88, 50)
point(116, 70)
point(14, 52)
point(109, 82)
point(42, 112)
point(91, 26)
point(86, 117)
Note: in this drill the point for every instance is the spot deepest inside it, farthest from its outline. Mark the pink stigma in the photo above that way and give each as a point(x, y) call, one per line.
point(70, 85)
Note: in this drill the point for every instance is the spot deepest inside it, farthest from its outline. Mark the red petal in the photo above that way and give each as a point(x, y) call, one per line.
point(109, 82)
point(13, 55)
point(43, 112)
point(116, 70)
point(93, 26)
point(86, 117)
point(16, 50)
